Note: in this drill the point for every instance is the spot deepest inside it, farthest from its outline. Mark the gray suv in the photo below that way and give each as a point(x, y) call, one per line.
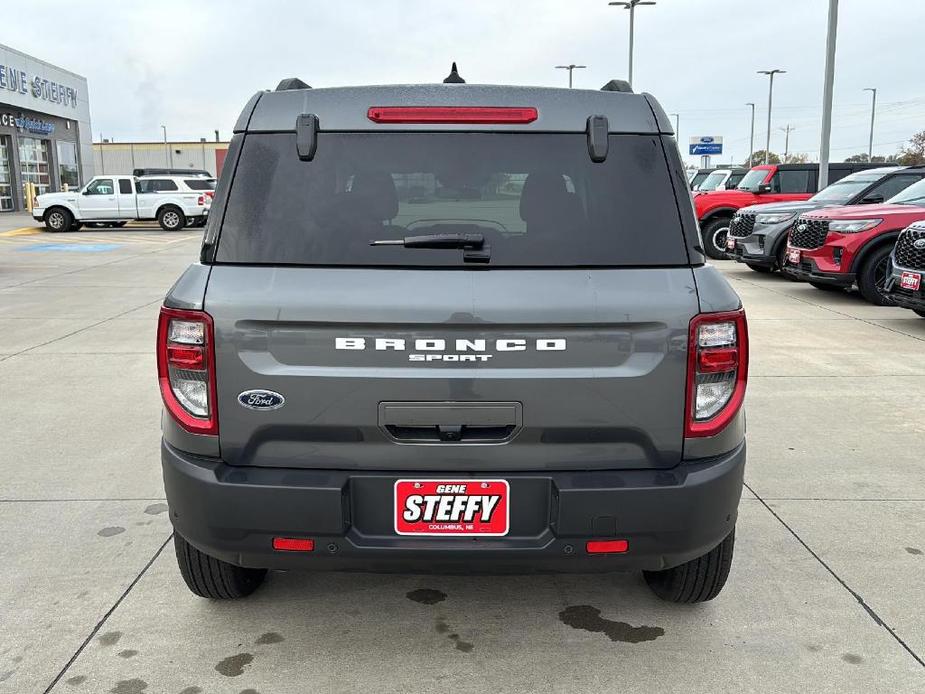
point(451, 327)
point(758, 233)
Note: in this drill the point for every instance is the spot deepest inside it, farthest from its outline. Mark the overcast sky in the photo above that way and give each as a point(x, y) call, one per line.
point(193, 65)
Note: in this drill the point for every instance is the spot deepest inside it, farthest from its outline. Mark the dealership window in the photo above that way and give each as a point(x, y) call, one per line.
point(67, 164)
point(6, 175)
point(33, 161)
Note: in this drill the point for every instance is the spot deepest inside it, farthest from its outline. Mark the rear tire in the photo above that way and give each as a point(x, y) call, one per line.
point(873, 275)
point(714, 237)
point(213, 578)
point(58, 219)
point(171, 218)
point(698, 580)
point(763, 269)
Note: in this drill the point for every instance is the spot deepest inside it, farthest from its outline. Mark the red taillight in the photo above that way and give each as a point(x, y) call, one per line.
point(293, 544)
point(451, 114)
point(201, 201)
point(607, 546)
point(210, 194)
point(186, 368)
point(717, 371)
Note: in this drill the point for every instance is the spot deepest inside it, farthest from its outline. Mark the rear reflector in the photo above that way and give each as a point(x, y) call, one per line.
point(185, 357)
point(451, 114)
point(607, 546)
point(293, 544)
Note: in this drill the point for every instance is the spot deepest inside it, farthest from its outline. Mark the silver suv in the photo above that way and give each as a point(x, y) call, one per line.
point(453, 327)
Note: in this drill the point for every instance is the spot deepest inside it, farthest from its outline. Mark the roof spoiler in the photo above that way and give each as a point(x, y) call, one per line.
point(617, 86)
point(291, 83)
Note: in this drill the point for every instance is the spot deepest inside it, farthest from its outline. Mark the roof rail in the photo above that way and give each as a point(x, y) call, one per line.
point(617, 86)
point(291, 83)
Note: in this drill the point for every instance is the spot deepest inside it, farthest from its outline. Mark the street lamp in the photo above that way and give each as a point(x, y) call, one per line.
point(631, 6)
point(770, 74)
point(828, 87)
point(166, 148)
point(570, 68)
point(873, 110)
point(751, 138)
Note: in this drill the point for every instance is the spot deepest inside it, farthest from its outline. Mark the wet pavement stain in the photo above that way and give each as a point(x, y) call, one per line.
point(234, 665)
point(441, 626)
point(426, 596)
point(127, 653)
point(589, 618)
point(76, 680)
point(155, 509)
point(6, 674)
point(192, 690)
point(913, 550)
point(461, 645)
point(132, 686)
point(110, 638)
point(113, 530)
point(249, 691)
point(852, 658)
point(270, 637)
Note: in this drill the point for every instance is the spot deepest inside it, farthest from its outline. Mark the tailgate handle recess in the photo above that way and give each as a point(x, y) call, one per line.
point(450, 422)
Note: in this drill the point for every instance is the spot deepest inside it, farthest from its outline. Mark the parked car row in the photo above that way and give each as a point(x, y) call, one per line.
point(113, 200)
point(866, 230)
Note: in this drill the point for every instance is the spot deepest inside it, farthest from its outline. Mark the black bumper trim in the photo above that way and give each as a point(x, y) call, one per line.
point(668, 517)
point(836, 279)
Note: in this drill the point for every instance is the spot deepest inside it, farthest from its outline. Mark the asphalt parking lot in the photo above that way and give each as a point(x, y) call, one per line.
point(825, 595)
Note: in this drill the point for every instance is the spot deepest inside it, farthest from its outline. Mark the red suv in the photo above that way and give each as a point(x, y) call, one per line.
point(768, 183)
point(839, 246)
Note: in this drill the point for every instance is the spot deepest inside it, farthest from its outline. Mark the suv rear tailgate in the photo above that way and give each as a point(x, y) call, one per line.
point(592, 361)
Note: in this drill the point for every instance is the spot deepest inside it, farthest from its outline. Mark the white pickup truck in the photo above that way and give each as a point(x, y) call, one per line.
point(174, 201)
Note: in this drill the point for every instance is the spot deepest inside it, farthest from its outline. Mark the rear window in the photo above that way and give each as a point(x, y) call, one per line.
point(200, 183)
point(536, 199)
point(156, 185)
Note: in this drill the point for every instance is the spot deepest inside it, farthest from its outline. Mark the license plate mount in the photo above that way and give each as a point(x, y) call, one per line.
point(911, 281)
point(452, 507)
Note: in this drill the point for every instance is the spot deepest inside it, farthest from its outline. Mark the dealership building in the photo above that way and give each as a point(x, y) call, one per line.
point(45, 135)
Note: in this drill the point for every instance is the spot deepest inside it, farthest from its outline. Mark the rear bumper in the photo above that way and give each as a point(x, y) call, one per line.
point(667, 516)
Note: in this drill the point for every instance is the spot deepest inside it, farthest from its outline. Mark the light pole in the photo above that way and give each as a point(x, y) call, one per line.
point(166, 148)
point(751, 138)
point(770, 74)
point(631, 6)
point(570, 68)
point(873, 111)
point(827, 89)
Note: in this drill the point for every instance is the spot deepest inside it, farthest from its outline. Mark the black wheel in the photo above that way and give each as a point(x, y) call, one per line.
point(213, 578)
point(919, 312)
point(58, 219)
point(171, 218)
point(76, 226)
point(714, 237)
point(759, 268)
point(826, 287)
point(698, 580)
point(873, 275)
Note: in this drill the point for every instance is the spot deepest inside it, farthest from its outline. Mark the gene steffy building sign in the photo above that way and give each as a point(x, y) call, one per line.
point(16, 80)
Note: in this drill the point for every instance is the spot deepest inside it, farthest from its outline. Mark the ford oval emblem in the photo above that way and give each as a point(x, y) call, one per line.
point(261, 400)
point(919, 244)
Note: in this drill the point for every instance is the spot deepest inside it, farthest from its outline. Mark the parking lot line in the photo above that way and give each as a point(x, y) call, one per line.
point(22, 231)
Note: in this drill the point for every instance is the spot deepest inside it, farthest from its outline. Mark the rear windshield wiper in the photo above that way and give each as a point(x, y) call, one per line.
point(476, 250)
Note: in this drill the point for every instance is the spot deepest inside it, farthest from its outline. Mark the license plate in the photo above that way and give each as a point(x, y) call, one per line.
point(793, 256)
point(730, 243)
point(452, 507)
point(911, 280)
